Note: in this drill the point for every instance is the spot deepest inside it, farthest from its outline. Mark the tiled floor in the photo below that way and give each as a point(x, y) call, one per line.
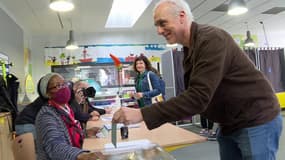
point(210, 151)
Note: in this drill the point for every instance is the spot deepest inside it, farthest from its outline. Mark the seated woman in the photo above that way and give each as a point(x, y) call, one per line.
point(59, 135)
point(80, 98)
point(25, 121)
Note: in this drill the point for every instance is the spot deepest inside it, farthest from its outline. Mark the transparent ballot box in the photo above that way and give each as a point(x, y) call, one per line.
point(135, 150)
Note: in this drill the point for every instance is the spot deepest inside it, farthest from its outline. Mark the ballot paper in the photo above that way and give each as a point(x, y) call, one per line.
point(128, 146)
point(119, 125)
point(106, 118)
point(114, 134)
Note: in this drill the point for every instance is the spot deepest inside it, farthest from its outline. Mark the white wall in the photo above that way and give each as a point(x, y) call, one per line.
point(103, 38)
point(275, 39)
point(12, 44)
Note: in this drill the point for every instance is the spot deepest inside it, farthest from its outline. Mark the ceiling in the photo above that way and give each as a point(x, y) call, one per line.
point(89, 16)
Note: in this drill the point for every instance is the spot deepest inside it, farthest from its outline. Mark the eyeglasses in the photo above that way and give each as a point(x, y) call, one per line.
point(59, 86)
point(80, 90)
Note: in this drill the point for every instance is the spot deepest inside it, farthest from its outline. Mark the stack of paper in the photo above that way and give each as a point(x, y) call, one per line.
point(135, 150)
point(128, 146)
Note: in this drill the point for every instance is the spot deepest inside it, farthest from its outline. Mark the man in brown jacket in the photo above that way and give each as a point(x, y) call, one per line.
point(221, 84)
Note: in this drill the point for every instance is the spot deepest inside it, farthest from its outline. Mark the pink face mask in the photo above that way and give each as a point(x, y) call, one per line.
point(62, 96)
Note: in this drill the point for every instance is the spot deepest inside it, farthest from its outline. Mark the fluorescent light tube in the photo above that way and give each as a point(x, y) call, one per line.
point(125, 13)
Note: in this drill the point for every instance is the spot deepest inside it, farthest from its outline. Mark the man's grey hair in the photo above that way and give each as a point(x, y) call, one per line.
point(179, 5)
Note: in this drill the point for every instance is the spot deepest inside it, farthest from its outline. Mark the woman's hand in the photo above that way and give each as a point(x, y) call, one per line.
point(91, 156)
point(108, 110)
point(95, 113)
point(91, 132)
point(138, 95)
point(94, 116)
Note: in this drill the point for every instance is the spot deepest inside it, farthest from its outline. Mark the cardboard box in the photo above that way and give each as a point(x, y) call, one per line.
point(6, 136)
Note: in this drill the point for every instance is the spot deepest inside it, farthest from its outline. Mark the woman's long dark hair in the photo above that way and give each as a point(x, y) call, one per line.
point(146, 62)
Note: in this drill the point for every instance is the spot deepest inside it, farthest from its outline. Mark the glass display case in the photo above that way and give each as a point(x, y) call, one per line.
point(102, 75)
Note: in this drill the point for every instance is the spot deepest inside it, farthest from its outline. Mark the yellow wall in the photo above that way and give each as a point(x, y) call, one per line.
point(281, 98)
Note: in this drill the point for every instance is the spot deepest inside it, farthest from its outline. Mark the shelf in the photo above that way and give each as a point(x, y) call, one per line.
point(99, 75)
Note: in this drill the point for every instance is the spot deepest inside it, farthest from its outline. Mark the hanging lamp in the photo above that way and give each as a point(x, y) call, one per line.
point(237, 7)
point(249, 41)
point(61, 5)
point(71, 44)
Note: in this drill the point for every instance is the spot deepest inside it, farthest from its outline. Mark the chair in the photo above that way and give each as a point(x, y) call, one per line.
point(23, 147)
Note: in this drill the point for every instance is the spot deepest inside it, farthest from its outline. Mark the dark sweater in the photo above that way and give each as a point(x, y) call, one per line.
point(80, 116)
point(53, 139)
point(29, 113)
point(221, 84)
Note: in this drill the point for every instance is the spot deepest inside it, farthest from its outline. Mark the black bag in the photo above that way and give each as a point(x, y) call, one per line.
point(6, 104)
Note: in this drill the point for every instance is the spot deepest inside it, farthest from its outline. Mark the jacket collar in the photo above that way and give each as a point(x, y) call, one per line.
point(193, 36)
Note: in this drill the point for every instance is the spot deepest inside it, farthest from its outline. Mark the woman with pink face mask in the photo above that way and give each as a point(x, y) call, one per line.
point(59, 135)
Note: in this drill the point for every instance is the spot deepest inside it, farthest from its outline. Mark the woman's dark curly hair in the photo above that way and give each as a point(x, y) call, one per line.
point(146, 62)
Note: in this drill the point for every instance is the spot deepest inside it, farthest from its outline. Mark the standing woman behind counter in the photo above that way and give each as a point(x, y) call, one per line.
point(143, 93)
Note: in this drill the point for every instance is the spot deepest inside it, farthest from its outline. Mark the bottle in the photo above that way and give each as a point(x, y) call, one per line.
point(118, 101)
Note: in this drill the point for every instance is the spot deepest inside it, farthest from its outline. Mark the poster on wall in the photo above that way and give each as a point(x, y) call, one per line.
point(29, 84)
point(27, 62)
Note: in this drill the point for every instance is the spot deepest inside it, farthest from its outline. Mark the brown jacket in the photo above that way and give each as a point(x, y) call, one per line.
point(221, 84)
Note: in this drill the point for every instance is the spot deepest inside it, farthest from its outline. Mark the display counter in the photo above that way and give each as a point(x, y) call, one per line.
point(98, 75)
point(110, 98)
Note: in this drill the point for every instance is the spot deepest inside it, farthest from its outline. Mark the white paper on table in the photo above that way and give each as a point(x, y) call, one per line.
point(127, 146)
point(106, 118)
point(119, 125)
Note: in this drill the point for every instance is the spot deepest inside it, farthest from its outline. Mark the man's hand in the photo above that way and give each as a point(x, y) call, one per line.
point(127, 116)
point(138, 95)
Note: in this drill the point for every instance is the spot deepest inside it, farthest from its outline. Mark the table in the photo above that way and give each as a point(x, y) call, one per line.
point(168, 136)
point(5, 136)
